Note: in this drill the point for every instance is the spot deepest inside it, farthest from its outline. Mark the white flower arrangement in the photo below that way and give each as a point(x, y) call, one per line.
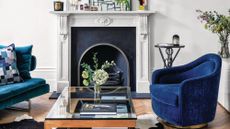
point(96, 76)
point(100, 76)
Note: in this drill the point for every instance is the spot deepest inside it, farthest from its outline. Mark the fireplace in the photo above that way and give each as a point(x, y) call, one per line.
point(111, 43)
point(94, 29)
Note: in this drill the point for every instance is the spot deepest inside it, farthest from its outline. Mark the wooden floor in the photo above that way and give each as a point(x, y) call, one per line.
point(221, 121)
point(41, 106)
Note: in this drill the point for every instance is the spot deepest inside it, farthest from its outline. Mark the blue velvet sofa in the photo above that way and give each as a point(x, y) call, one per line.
point(30, 87)
point(187, 95)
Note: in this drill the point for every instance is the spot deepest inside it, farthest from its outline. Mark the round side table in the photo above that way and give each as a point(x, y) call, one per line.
point(169, 49)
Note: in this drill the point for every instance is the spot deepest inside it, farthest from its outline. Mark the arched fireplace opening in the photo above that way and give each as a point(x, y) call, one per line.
point(119, 75)
point(119, 39)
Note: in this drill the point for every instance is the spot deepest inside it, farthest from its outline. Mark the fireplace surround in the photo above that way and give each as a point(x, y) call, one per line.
point(133, 19)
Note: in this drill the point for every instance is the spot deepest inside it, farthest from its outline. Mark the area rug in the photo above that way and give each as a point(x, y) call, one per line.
point(147, 121)
point(23, 124)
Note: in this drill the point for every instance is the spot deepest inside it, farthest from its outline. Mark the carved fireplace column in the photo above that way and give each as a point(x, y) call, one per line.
point(63, 55)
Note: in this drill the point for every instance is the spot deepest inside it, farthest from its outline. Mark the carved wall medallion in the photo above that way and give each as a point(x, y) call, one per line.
point(105, 21)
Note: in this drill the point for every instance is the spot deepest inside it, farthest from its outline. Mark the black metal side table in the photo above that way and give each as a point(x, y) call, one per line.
point(168, 61)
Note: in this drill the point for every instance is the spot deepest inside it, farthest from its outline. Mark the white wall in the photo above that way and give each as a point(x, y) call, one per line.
point(26, 22)
point(179, 17)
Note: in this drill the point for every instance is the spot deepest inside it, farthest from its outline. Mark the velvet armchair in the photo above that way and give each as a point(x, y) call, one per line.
point(187, 95)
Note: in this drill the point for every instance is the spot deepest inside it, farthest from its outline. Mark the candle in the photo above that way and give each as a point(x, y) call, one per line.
point(176, 39)
point(58, 6)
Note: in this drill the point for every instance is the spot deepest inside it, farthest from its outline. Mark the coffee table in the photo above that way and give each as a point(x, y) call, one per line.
point(67, 111)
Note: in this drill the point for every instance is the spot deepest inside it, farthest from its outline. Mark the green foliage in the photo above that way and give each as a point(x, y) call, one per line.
point(107, 65)
point(95, 60)
point(121, 1)
point(126, 2)
point(88, 72)
point(86, 82)
point(216, 23)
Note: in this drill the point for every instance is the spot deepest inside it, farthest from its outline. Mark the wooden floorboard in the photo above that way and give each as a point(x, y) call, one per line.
point(221, 121)
point(41, 106)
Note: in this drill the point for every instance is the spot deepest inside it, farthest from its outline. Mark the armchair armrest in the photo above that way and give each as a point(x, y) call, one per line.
point(197, 83)
point(203, 90)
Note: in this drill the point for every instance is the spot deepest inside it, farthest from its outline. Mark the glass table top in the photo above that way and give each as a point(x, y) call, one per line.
point(83, 103)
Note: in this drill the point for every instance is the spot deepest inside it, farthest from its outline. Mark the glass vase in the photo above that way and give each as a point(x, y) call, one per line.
point(97, 90)
point(224, 50)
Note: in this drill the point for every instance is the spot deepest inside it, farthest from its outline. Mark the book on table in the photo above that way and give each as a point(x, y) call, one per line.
point(113, 97)
point(88, 108)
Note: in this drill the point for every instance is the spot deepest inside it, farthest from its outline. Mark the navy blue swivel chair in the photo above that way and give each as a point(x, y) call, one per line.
point(187, 95)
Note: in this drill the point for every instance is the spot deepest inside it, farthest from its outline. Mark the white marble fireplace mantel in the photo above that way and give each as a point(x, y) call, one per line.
point(138, 19)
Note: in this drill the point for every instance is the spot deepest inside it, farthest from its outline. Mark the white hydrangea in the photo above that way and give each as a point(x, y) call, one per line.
point(100, 76)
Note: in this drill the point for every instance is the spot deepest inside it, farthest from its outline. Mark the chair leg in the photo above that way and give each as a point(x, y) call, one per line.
point(171, 126)
point(21, 109)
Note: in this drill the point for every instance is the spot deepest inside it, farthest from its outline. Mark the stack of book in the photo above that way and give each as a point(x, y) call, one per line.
point(107, 110)
point(94, 109)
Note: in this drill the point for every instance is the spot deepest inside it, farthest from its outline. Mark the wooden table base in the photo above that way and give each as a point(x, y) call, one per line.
point(49, 124)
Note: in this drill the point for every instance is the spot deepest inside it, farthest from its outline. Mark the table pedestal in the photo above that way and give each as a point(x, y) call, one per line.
point(169, 50)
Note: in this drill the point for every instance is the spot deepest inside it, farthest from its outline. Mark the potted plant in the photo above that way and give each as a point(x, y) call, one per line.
point(218, 24)
point(126, 3)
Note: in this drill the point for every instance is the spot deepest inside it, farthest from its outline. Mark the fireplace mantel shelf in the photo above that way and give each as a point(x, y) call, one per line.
point(67, 13)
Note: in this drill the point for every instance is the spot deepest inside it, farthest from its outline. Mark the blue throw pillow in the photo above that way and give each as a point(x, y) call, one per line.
point(8, 66)
point(23, 60)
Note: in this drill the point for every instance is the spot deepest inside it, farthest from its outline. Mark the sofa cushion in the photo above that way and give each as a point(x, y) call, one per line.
point(8, 91)
point(8, 66)
point(165, 93)
point(23, 60)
